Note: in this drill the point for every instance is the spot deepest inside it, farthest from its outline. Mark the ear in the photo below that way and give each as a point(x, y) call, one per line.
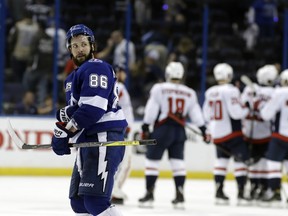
point(94, 47)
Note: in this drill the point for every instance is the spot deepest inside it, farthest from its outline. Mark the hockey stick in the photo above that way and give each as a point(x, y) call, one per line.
point(22, 145)
point(248, 82)
point(173, 117)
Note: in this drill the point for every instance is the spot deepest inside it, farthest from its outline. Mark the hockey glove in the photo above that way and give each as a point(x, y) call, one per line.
point(247, 104)
point(145, 131)
point(64, 114)
point(60, 139)
point(206, 137)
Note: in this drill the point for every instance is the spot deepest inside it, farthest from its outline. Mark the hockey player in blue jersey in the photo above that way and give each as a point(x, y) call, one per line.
point(92, 114)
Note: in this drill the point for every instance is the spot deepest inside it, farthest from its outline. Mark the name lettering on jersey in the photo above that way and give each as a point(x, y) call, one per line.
point(68, 86)
point(263, 98)
point(234, 101)
point(86, 185)
point(214, 94)
point(179, 92)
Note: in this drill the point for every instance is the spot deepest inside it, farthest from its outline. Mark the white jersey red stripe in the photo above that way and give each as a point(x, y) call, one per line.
point(223, 112)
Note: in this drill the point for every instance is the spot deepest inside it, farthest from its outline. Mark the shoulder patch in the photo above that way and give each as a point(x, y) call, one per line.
point(68, 86)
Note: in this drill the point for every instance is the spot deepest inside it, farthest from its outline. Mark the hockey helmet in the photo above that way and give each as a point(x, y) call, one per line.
point(174, 70)
point(223, 71)
point(79, 29)
point(267, 75)
point(284, 78)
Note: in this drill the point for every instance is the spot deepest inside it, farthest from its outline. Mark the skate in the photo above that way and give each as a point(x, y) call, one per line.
point(260, 195)
point(147, 200)
point(117, 201)
point(271, 199)
point(118, 196)
point(254, 192)
point(221, 198)
point(243, 200)
point(178, 202)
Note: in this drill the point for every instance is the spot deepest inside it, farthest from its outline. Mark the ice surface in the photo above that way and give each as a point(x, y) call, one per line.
point(48, 196)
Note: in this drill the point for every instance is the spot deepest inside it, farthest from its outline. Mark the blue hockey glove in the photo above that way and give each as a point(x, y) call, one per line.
point(60, 139)
point(64, 114)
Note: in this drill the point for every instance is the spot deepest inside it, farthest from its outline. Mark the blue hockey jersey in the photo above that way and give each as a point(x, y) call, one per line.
point(93, 88)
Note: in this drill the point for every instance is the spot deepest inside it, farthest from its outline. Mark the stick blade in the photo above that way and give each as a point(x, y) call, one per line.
point(148, 142)
point(15, 138)
point(247, 81)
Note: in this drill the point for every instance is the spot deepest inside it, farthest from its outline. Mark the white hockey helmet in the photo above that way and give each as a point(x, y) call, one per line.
point(174, 70)
point(284, 78)
point(223, 71)
point(267, 75)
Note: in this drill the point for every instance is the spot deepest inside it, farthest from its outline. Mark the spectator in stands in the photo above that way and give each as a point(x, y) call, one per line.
point(185, 53)
point(27, 105)
point(156, 37)
point(120, 55)
point(39, 77)
point(145, 73)
point(143, 11)
point(62, 52)
point(47, 107)
point(41, 10)
point(20, 40)
point(250, 35)
point(265, 14)
point(162, 53)
point(174, 10)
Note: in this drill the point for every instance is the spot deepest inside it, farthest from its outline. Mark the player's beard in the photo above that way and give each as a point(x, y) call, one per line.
point(79, 61)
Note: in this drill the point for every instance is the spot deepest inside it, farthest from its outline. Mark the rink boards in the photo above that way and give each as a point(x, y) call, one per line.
point(199, 156)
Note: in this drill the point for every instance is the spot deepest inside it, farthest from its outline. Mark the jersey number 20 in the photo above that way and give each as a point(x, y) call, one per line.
point(216, 107)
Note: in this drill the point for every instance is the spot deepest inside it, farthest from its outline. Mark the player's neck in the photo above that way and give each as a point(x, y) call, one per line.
point(222, 82)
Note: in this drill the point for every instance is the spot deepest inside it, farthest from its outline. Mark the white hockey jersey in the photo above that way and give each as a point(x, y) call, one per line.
point(254, 127)
point(125, 103)
point(276, 109)
point(223, 112)
point(168, 98)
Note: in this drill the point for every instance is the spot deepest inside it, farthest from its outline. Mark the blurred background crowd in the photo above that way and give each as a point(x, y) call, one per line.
point(143, 35)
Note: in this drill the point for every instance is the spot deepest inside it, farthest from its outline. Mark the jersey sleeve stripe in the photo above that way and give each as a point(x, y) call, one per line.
point(95, 101)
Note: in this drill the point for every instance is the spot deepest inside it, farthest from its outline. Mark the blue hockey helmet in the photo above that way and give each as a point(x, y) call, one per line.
point(79, 29)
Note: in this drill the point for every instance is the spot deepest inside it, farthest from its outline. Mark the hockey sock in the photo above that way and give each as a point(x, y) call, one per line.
point(150, 182)
point(219, 180)
point(275, 183)
point(179, 181)
point(264, 183)
point(241, 181)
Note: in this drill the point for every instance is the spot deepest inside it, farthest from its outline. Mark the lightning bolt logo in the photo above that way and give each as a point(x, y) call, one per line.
point(102, 165)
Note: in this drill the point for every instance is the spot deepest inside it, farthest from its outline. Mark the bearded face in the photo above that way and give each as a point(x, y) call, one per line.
point(80, 49)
